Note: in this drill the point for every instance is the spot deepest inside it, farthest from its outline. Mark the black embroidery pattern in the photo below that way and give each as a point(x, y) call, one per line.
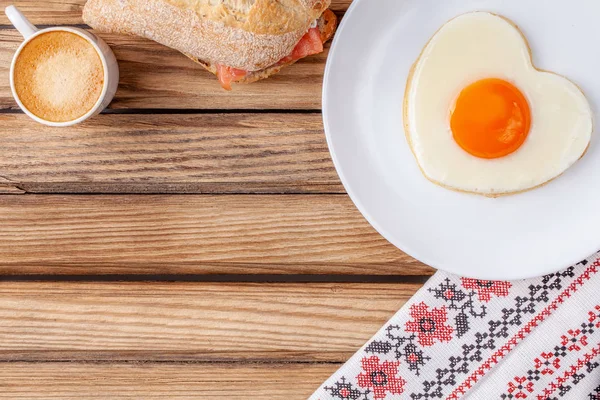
point(488, 340)
point(575, 379)
point(595, 395)
point(460, 301)
point(548, 362)
point(404, 347)
point(463, 303)
point(345, 390)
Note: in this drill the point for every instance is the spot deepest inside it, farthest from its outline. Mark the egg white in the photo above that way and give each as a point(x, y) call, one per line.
point(482, 45)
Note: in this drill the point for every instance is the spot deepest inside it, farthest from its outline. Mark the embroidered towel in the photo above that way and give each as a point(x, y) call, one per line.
point(461, 338)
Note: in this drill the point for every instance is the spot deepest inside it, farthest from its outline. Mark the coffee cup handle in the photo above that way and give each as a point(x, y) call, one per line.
point(16, 17)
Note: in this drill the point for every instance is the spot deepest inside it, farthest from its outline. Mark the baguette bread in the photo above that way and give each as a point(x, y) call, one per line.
point(249, 35)
point(327, 24)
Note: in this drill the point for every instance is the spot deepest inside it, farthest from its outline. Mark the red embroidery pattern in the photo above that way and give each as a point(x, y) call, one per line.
point(486, 289)
point(520, 387)
point(589, 367)
point(408, 345)
point(565, 387)
point(547, 363)
point(594, 317)
point(523, 332)
point(570, 372)
point(380, 377)
point(462, 303)
point(429, 325)
point(574, 340)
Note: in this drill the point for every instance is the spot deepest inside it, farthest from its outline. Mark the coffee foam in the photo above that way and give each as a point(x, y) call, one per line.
point(59, 76)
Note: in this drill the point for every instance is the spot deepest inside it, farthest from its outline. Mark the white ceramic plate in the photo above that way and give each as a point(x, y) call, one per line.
point(512, 237)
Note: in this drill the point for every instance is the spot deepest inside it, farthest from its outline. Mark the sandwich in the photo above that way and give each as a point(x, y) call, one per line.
point(240, 41)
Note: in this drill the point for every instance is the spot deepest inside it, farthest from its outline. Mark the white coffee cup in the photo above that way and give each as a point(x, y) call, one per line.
point(109, 62)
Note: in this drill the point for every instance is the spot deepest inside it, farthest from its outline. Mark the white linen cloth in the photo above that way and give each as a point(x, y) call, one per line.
point(461, 338)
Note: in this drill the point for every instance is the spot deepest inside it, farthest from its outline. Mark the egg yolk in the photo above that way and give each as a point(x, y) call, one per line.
point(491, 119)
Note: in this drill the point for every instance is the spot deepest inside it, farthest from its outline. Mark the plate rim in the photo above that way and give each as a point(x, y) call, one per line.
point(487, 275)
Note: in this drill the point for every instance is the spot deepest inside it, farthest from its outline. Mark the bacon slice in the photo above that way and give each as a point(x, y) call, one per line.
point(228, 75)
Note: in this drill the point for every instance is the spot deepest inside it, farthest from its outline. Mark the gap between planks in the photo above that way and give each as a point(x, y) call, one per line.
point(256, 278)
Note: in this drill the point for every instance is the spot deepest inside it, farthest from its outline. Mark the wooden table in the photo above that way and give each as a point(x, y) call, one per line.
point(188, 243)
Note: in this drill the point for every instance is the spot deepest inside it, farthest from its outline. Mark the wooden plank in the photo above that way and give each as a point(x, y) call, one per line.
point(149, 381)
point(313, 234)
point(63, 12)
point(214, 153)
point(192, 321)
point(47, 12)
point(76, 381)
point(157, 77)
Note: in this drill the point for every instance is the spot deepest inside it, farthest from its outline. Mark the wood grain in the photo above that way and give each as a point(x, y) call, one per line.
point(192, 321)
point(321, 234)
point(47, 12)
point(157, 77)
point(216, 153)
point(155, 340)
point(63, 12)
point(150, 381)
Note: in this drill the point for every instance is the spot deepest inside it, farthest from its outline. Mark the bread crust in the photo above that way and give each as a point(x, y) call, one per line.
point(327, 24)
point(254, 36)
